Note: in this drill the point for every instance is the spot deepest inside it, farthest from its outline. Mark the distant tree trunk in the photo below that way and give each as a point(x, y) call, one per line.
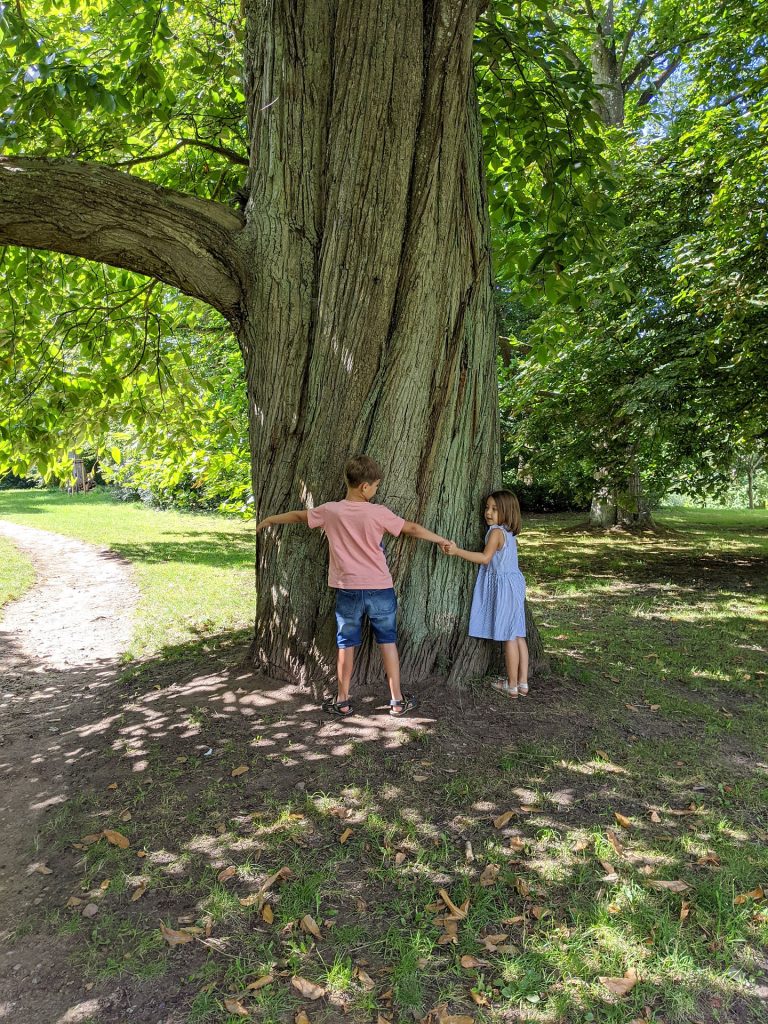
point(750, 488)
point(602, 510)
point(370, 324)
point(632, 510)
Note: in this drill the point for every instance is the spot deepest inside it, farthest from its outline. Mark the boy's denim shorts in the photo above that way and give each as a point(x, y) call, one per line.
point(353, 605)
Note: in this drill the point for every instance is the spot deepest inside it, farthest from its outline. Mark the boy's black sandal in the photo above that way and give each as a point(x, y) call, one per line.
point(340, 708)
point(398, 708)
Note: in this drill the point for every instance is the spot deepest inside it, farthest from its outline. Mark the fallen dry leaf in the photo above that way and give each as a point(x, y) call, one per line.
point(470, 962)
point(178, 937)
point(492, 941)
point(522, 886)
point(309, 925)
point(614, 908)
point(267, 914)
point(613, 839)
point(502, 819)
point(126, 816)
point(622, 819)
point(530, 808)
point(610, 871)
point(678, 885)
point(240, 770)
point(39, 868)
point(479, 998)
point(345, 835)
point(685, 909)
point(265, 979)
point(232, 1005)
point(540, 912)
point(301, 1017)
point(74, 901)
point(90, 910)
point(580, 845)
point(655, 817)
point(458, 912)
point(709, 858)
point(307, 988)
point(754, 894)
point(116, 838)
point(621, 986)
point(517, 844)
point(138, 893)
point(399, 857)
point(365, 979)
point(112, 785)
point(681, 813)
point(227, 873)
point(602, 753)
point(490, 875)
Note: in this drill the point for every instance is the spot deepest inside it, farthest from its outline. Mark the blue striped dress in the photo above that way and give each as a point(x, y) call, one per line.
point(498, 603)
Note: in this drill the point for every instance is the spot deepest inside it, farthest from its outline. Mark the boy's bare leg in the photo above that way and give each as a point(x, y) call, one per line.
point(522, 650)
point(345, 662)
point(512, 660)
point(391, 662)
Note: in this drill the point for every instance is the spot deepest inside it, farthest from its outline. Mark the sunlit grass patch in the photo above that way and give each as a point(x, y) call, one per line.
point(16, 572)
point(194, 572)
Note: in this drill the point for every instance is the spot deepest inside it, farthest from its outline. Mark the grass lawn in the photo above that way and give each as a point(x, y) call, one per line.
point(16, 573)
point(596, 852)
point(195, 572)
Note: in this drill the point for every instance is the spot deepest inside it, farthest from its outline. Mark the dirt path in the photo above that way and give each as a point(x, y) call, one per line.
point(59, 654)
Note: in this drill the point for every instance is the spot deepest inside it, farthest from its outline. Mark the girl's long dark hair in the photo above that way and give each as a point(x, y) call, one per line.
point(508, 508)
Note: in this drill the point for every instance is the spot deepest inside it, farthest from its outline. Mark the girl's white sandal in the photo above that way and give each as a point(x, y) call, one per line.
point(502, 685)
point(522, 689)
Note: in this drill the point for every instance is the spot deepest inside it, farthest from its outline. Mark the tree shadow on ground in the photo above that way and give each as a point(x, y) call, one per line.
point(204, 767)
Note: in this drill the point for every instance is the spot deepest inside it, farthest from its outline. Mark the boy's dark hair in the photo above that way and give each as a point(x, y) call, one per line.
point(362, 470)
point(508, 508)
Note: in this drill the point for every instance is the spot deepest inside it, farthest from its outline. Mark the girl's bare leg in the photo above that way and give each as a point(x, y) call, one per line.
point(512, 661)
point(522, 653)
point(390, 659)
point(345, 662)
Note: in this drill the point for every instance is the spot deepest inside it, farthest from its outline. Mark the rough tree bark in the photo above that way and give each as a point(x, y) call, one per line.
point(359, 286)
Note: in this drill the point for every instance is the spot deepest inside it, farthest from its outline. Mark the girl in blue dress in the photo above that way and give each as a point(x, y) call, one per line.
point(498, 603)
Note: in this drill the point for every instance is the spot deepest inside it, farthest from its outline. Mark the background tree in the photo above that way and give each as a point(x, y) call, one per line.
point(652, 378)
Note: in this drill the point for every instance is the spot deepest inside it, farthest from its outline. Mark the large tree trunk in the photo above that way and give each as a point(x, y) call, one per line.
point(370, 325)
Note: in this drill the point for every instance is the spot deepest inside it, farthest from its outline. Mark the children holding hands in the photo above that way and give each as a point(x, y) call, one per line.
point(357, 570)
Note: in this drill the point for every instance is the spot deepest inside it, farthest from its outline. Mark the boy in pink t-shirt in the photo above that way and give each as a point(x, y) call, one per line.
point(357, 570)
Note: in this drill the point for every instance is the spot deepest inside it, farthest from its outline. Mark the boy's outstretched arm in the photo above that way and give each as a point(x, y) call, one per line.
point(422, 533)
point(298, 516)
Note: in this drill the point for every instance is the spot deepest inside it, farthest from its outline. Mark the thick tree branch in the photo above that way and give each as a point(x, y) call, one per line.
point(647, 95)
point(112, 217)
point(229, 154)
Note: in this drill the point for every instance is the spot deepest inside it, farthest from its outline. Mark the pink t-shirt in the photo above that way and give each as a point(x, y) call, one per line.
point(354, 530)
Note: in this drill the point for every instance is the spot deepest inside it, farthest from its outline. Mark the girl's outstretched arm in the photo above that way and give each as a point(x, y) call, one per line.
point(495, 541)
point(298, 516)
